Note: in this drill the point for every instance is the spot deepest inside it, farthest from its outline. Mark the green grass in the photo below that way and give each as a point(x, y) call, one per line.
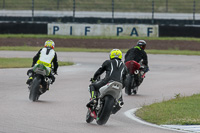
point(60, 49)
point(178, 111)
point(22, 63)
point(178, 6)
point(173, 52)
point(96, 37)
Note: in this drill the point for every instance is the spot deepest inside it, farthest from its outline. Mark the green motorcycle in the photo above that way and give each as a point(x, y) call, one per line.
point(42, 78)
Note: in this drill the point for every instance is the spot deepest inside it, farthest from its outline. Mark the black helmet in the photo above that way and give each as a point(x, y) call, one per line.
point(142, 44)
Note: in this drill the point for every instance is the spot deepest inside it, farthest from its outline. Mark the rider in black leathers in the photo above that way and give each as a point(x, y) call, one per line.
point(115, 70)
point(138, 54)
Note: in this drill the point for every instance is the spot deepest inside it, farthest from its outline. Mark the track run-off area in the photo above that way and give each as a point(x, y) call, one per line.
point(62, 109)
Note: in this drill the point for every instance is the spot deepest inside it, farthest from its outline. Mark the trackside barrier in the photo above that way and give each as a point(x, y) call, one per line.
point(135, 30)
point(23, 28)
point(119, 30)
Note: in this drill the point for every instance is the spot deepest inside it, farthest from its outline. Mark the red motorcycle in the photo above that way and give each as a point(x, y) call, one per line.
point(134, 77)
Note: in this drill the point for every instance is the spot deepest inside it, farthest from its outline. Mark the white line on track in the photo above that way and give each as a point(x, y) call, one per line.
point(185, 129)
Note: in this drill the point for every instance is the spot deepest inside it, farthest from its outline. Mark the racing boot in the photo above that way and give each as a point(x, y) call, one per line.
point(135, 89)
point(30, 75)
point(29, 80)
point(93, 99)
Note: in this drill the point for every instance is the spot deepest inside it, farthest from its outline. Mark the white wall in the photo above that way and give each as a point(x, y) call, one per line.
point(103, 30)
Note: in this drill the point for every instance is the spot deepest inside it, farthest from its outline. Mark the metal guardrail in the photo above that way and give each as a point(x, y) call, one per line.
point(148, 8)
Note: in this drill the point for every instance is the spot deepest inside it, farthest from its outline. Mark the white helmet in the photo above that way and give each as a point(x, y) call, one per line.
point(49, 43)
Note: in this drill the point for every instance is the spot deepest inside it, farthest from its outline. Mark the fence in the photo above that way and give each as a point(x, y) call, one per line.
point(150, 9)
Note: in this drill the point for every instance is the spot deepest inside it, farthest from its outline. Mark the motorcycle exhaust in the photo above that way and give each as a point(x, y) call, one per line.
point(136, 71)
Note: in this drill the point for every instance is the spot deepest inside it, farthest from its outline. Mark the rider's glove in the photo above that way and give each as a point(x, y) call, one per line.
point(146, 69)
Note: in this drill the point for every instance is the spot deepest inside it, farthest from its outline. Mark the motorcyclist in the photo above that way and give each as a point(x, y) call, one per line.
point(115, 70)
point(45, 56)
point(138, 54)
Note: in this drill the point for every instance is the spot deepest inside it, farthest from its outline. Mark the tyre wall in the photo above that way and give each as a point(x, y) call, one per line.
point(23, 28)
point(179, 31)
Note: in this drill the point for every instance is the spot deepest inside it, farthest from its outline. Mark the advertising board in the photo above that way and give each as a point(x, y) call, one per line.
point(135, 30)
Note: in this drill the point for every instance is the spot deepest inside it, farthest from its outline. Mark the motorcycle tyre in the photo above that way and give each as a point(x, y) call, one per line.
point(128, 85)
point(34, 95)
point(89, 118)
point(135, 91)
point(105, 113)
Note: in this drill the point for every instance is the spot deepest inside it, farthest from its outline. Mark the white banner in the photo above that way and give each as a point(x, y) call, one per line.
point(134, 30)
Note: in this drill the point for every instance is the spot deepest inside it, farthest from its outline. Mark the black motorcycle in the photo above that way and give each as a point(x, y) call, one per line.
point(105, 104)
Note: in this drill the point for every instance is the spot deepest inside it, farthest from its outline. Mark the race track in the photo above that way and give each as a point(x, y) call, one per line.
point(62, 109)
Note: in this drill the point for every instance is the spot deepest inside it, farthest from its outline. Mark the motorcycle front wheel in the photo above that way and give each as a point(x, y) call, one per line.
point(34, 90)
point(105, 112)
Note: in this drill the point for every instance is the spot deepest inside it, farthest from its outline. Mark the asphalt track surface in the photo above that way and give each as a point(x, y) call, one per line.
point(62, 109)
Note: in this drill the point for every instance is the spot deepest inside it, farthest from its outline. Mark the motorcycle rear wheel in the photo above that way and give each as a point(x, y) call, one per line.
point(128, 85)
point(104, 115)
point(34, 90)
